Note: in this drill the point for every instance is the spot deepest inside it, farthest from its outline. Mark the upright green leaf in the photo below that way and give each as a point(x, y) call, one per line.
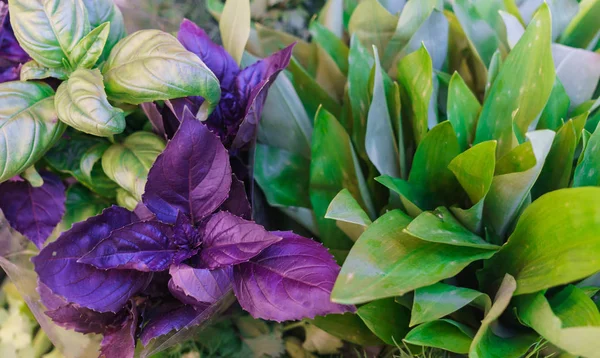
point(556, 109)
point(152, 65)
point(235, 27)
point(521, 89)
point(331, 17)
point(348, 327)
point(444, 334)
point(333, 45)
point(29, 124)
point(49, 30)
point(89, 49)
point(463, 110)
point(387, 319)
point(587, 171)
point(101, 11)
point(414, 198)
point(372, 24)
point(494, 69)
point(584, 26)
point(82, 103)
point(349, 216)
point(386, 261)
point(544, 253)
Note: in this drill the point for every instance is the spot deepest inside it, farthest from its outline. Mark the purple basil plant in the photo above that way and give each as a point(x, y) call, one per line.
point(12, 55)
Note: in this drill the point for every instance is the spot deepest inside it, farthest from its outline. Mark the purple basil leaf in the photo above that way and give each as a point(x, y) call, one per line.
point(10, 50)
point(169, 317)
point(185, 235)
point(290, 280)
point(85, 285)
point(158, 286)
point(143, 213)
point(252, 84)
point(195, 40)
point(200, 285)
point(230, 240)
point(192, 175)
point(237, 203)
point(34, 212)
point(120, 342)
point(155, 118)
point(146, 246)
point(10, 73)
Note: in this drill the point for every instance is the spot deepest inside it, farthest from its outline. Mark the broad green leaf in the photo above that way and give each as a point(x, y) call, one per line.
point(488, 345)
point(328, 74)
point(543, 253)
point(509, 191)
point(584, 26)
point(413, 197)
point(283, 176)
point(415, 73)
point(332, 44)
point(436, 301)
point(430, 164)
point(463, 110)
point(556, 109)
point(81, 204)
point(387, 262)
point(440, 226)
point(348, 327)
point(474, 170)
point(445, 334)
point(349, 216)
point(380, 142)
point(333, 167)
point(587, 172)
point(101, 11)
point(331, 17)
point(372, 24)
point(570, 320)
point(387, 319)
point(91, 157)
point(126, 199)
point(82, 103)
point(152, 65)
point(521, 89)
point(558, 166)
point(49, 30)
point(235, 27)
point(34, 71)
point(29, 124)
point(578, 71)
point(89, 49)
point(128, 163)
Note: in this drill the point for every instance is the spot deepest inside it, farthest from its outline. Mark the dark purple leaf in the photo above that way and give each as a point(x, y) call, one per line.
point(192, 175)
point(155, 118)
point(290, 280)
point(85, 285)
point(10, 73)
point(202, 286)
point(34, 212)
point(237, 203)
point(143, 213)
point(10, 50)
point(185, 235)
point(120, 342)
point(252, 85)
point(230, 240)
point(158, 286)
point(146, 246)
point(195, 40)
point(168, 317)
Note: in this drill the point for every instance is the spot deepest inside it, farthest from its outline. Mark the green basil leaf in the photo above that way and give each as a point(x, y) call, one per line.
point(386, 261)
point(128, 163)
point(373, 25)
point(444, 334)
point(34, 71)
point(348, 327)
point(101, 11)
point(49, 30)
point(235, 27)
point(152, 65)
point(413, 197)
point(81, 103)
point(556, 109)
point(126, 199)
point(573, 253)
point(584, 26)
point(493, 71)
point(81, 204)
point(439, 300)
point(29, 125)
point(333, 45)
point(89, 49)
point(387, 319)
point(587, 172)
point(349, 216)
point(463, 111)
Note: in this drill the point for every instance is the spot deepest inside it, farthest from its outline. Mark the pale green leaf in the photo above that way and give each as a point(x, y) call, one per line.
point(584, 26)
point(89, 49)
point(349, 216)
point(101, 11)
point(444, 334)
point(372, 24)
point(321, 342)
point(32, 70)
point(235, 27)
point(331, 17)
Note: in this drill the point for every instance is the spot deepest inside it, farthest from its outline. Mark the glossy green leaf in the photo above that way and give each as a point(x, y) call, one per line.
point(372, 24)
point(283, 176)
point(555, 111)
point(570, 320)
point(310, 92)
point(544, 253)
point(128, 163)
point(328, 75)
point(101, 11)
point(81, 204)
point(91, 157)
point(349, 216)
point(332, 44)
point(584, 26)
point(493, 71)
point(333, 167)
point(152, 65)
point(488, 345)
point(439, 300)
point(587, 171)
point(510, 190)
point(387, 319)
point(89, 49)
point(474, 170)
point(521, 89)
point(415, 73)
point(82, 103)
point(387, 262)
point(348, 327)
point(29, 125)
point(32, 70)
point(331, 17)
point(49, 30)
point(380, 142)
point(463, 110)
point(235, 27)
point(444, 334)
point(413, 197)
